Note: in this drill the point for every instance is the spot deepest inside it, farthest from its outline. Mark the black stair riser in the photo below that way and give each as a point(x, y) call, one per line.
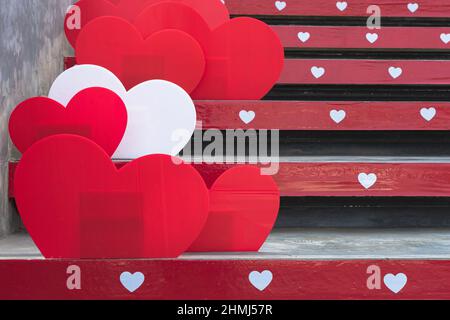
point(364, 212)
point(356, 143)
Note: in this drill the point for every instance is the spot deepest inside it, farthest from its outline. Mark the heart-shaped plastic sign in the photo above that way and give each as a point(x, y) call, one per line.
point(244, 207)
point(245, 59)
point(162, 120)
point(214, 12)
point(244, 56)
point(117, 45)
point(95, 113)
point(161, 115)
point(76, 204)
point(81, 77)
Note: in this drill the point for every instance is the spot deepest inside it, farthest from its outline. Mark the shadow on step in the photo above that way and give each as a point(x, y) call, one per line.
point(364, 212)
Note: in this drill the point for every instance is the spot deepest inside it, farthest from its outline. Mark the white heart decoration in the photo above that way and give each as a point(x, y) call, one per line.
point(161, 115)
point(247, 116)
point(395, 283)
point(261, 280)
point(280, 5)
point(132, 282)
point(304, 36)
point(81, 77)
point(338, 115)
point(445, 38)
point(395, 72)
point(341, 5)
point(428, 113)
point(161, 120)
point(367, 180)
point(412, 7)
point(317, 72)
point(372, 37)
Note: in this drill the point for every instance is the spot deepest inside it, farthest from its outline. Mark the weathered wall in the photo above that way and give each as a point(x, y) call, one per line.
point(32, 46)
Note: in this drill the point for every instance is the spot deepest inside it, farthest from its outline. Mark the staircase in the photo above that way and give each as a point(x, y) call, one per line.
point(364, 120)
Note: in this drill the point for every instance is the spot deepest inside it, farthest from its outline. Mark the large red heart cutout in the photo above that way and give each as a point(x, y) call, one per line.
point(76, 204)
point(244, 207)
point(117, 45)
point(244, 56)
point(214, 12)
point(95, 113)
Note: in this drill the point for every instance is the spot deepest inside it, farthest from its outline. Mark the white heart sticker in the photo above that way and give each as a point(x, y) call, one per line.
point(304, 36)
point(247, 116)
point(280, 5)
point(161, 115)
point(395, 283)
point(395, 72)
point(338, 115)
point(341, 5)
point(445, 38)
point(367, 180)
point(372, 37)
point(428, 113)
point(261, 280)
point(317, 72)
point(413, 7)
point(132, 282)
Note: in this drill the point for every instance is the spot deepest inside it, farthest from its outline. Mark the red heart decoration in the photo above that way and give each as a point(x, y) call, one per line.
point(95, 113)
point(76, 204)
point(244, 56)
point(214, 12)
point(117, 45)
point(244, 207)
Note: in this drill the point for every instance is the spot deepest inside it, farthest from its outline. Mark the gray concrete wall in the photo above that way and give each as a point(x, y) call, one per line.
point(32, 46)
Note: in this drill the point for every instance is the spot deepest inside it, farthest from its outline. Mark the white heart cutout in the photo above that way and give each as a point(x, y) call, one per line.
point(372, 37)
point(413, 7)
point(81, 77)
point(261, 280)
point(395, 72)
point(428, 113)
point(304, 36)
point(317, 72)
point(341, 5)
point(395, 283)
point(445, 38)
point(280, 5)
point(132, 282)
point(338, 115)
point(161, 115)
point(247, 116)
point(367, 180)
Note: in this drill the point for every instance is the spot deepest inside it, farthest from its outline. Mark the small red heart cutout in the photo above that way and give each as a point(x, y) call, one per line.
point(95, 113)
point(76, 204)
point(244, 207)
point(117, 45)
point(244, 56)
point(84, 11)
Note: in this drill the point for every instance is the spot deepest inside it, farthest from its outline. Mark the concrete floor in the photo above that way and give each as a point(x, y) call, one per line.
point(306, 244)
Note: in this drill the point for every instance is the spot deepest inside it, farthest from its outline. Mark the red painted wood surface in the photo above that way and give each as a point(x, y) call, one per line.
point(389, 8)
point(302, 115)
point(361, 37)
point(69, 62)
point(299, 71)
point(342, 179)
point(222, 280)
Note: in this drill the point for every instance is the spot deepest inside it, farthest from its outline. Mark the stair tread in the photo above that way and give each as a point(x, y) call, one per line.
point(337, 159)
point(306, 244)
